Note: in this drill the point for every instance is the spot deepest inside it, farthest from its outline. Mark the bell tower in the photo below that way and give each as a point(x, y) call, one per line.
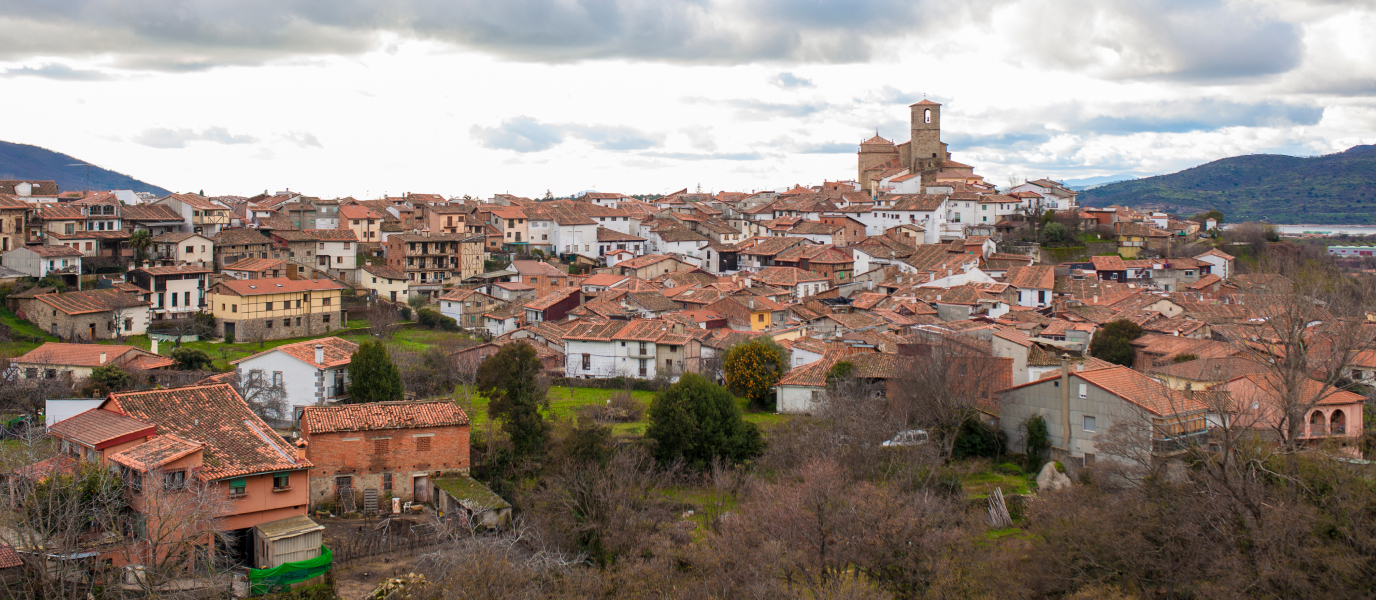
point(927, 150)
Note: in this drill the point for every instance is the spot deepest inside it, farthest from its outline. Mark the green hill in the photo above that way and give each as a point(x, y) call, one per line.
point(22, 161)
point(1333, 189)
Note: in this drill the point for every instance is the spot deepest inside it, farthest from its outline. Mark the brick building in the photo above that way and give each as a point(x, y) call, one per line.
point(394, 448)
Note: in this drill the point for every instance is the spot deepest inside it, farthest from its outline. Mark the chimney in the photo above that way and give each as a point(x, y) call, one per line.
point(301, 449)
point(1065, 402)
point(752, 304)
point(102, 358)
point(319, 354)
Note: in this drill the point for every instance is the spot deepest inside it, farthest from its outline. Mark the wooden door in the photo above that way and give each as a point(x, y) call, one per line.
point(422, 488)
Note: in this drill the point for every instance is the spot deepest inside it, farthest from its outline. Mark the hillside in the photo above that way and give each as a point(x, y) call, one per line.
point(22, 161)
point(1333, 189)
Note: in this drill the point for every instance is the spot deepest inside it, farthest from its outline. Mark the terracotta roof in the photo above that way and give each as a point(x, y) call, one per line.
point(338, 352)
point(174, 270)
point(156, 452)
point(102, 428)
point(552, 298)
point(535, 267)
point(9, 559)
point(276, 285)
point(1216, 252)
point(644, 261)
point(1212, 369)
point(240, 237)
point(376, 416)
point(1033, 277)
point(680, 234)
point(357, 211)
point(256, 264)
point(1141, 390)
point(385, 272)
point(1269, 385)
point(94, 301)
point(237, 441)
point(914, 202)
point(611, 235)
point(604, 279)
point(53, 251)
point(318, 235)
point(786, 276)
point(1108, 263)
point(150, 212)
point(1015, 336)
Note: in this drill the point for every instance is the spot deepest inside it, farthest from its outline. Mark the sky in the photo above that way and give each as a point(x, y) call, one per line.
point(461, 97)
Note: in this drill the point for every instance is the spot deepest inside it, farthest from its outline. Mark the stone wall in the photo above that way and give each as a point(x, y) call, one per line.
point(248, 330)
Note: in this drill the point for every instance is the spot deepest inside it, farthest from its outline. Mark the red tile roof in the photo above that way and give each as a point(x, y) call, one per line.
point(256, 265)
point(94, 301)
point(276, 285)
point(1033, 277)
point(237, 441)
point(357, 211)
point(101, 428)
point(375, 416)
point(78, 355)
point(337, 351)
point(157, 452)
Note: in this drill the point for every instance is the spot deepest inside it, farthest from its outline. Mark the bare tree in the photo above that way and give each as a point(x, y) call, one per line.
point(943, 384)
point(266, 396)
point(382, 318)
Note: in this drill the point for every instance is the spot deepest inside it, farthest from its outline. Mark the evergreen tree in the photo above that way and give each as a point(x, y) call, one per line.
point(372, 376)
point(753, 368)
point(698, 421)
point(508, 379)
point(1113, 342)
point(192, 359)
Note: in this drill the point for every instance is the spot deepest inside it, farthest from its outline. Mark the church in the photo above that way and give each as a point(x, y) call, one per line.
point(924, 156)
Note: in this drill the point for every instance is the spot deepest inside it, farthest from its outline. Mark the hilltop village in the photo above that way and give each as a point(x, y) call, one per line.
point(213, 344)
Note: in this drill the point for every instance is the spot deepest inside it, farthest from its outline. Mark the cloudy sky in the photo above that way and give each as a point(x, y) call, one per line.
point(348, 97)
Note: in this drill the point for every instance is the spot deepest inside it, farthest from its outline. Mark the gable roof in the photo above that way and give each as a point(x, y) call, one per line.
point(156, 452)
point(237, 441)
point(93, 301)
point(240, 237)
point(101, 429)
point(1033, 277)
point(276, 285)
point(337, 352)
point(374, 416)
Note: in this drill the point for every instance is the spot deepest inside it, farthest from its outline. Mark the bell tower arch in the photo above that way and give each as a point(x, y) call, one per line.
point(928, 151)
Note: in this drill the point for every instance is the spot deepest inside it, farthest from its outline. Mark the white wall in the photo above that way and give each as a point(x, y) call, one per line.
point(797, 399)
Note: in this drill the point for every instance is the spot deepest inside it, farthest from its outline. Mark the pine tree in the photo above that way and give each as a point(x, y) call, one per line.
point(372, 376)
point(1113, 342)
point(699, 421)
point(508, 379)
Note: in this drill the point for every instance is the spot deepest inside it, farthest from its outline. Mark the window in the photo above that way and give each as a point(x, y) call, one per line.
point(1084, 391)
point(174, 480)
point(386, 482)
point(587, 359)
point(266, 305)
point(286, 322)
point(344, 483)
point(1089, 423)
point(234, 308)
point(281, 481)
point(326, 319)
point(761, 317)
point(298, 321)
point(238, 487)
point(423, 444)
point(324, 301)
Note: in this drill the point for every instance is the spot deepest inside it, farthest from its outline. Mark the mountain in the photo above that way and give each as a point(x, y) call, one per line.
point(1080, 185)
point(1332, 189)
point(22, 161)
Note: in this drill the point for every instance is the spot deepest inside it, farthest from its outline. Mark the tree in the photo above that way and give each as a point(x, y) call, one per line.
point(698, 421)
point(418, 301)
point(372, 376)
point(192, 359)
point(941, 387)
point(753, 368)
point(1113, 342)
point(1055, 233)
point(108, 378)
point(509, 379)
point(839, 372)
point(140, 240)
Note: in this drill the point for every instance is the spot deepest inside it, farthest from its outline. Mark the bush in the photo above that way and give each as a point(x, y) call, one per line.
point(430, 318)
point(698, 421)
point(229, 337)
point(192, 359)
point(1038, 442)
point(974, 438)
point(620, 408)
point(1113, 342)
point(405, 313)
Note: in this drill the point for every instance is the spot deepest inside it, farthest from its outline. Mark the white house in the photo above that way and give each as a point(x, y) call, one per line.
point(38, 261)
point(181, 248)
point(622, 348)
point(310, 373)
point(1034, 284)
point(177, 292)
point(1054, 195)
point(1220, 264)
point(467, 307)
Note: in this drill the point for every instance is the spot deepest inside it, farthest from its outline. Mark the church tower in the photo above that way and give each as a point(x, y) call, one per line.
point(927, 151)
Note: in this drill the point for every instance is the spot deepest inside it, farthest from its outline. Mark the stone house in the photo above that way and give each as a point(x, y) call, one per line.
point(102, 314)
point(391, 449)
point(233, 245)
point(13, 216)
point(274, 309)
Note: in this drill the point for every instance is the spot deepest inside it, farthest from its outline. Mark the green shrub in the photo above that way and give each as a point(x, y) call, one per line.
point(1038, 442)
point(974, 438)
point(229, 337)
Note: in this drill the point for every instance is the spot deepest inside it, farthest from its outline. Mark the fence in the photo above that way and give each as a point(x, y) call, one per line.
point(282, 576)
point(390, 536)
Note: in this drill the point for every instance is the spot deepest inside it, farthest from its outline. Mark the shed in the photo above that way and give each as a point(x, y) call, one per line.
point(468, 496)
point(287, 540)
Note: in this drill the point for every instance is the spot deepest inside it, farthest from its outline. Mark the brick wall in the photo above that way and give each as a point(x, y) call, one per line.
point(365, 457)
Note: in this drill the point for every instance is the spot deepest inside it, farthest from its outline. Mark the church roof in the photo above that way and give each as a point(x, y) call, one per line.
point(926, 102)
point(876, 140)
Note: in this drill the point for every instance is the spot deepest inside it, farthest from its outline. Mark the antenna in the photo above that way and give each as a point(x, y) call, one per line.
point(87, 192)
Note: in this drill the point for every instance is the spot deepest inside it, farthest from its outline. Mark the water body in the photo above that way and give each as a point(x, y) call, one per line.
point(1323, 229)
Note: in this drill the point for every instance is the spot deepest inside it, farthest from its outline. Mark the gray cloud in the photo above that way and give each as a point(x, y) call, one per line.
point(162, 137)
point(178, 35)
point(759, 109)
point(1200, 40)
point(525, 134)
point(827, 148)
point(59, 72)
point(304, 139)
point(789, 80)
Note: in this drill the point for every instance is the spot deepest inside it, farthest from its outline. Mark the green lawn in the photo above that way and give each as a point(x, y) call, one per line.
point(20, 327)
point(980, 483)
point(565, 402)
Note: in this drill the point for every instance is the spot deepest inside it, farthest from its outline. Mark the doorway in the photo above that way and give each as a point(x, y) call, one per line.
point(421, 487)
point(229, 331)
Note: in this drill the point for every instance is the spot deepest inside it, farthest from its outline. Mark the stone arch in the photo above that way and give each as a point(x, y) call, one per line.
point(927, 115)
point(1337, 422)
point(1317, 424)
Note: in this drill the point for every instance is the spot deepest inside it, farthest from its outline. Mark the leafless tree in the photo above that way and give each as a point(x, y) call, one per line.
point(382, 318)
point(942, 385)
point(266, 396)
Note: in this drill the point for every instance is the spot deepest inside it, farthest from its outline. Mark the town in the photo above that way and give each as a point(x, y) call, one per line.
point(618, 395)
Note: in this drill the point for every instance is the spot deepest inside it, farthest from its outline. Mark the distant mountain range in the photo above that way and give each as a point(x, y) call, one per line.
point(1332, 189)
point(1093, 182)
point(22, 161)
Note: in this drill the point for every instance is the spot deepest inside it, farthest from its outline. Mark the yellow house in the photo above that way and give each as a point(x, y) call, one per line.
point(1132, 237)
point(276, 308)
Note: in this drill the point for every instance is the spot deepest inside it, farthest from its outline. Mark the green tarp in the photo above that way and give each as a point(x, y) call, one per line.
point(282, 576)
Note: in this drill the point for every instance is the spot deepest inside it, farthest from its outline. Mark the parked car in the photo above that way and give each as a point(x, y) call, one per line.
point(911, 437)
